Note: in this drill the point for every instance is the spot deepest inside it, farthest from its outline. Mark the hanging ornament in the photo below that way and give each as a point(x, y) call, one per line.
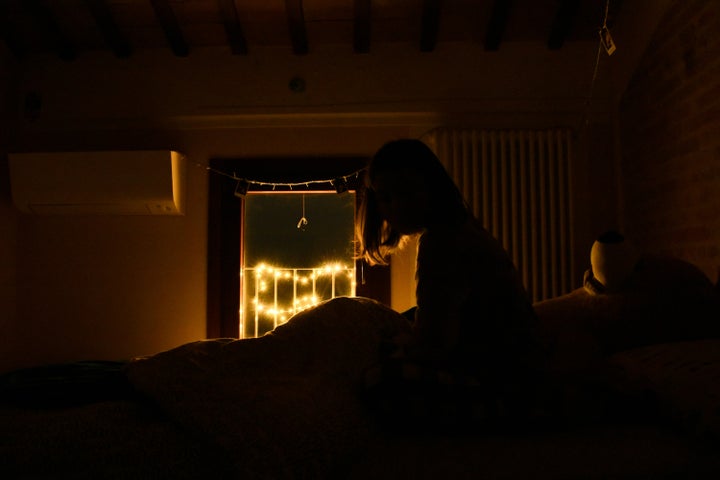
point(605, 38)
point(302, 223)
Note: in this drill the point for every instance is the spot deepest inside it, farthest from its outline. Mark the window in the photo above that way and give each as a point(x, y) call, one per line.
point(226, 227)
point(298, 251)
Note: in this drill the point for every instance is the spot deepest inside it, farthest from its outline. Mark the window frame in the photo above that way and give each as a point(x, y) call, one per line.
point(226, 220)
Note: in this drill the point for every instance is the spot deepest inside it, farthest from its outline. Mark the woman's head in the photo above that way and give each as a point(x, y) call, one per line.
point(407, 190)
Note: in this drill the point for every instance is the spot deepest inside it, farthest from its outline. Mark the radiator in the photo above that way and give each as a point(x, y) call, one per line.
point(518, 183)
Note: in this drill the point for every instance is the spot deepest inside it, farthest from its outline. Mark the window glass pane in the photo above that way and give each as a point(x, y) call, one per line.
point(298, 251)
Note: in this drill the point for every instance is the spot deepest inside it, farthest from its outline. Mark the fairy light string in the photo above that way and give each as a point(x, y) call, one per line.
point(340, 184)
point(264, 304)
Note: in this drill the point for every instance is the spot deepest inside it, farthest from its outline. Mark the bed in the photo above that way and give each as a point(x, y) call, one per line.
point(639, 395)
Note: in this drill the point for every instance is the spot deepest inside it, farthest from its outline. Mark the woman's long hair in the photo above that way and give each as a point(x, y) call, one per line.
point(376, 238)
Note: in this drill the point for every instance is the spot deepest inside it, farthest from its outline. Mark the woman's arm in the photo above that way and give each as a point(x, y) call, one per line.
point(442, 293)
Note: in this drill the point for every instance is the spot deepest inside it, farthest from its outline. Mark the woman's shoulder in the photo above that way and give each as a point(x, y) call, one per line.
point(468, 238)
point(481, 246)
point(474, 235)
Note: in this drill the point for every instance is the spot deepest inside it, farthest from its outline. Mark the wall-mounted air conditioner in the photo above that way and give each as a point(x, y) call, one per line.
point(136, 182)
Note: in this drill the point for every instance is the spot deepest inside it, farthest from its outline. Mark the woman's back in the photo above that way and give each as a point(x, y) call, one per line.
point(471, 302)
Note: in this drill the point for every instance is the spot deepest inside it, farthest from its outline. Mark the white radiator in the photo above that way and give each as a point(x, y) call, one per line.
point(518, 183)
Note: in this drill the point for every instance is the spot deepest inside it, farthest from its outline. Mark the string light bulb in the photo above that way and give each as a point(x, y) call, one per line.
point(279, 312)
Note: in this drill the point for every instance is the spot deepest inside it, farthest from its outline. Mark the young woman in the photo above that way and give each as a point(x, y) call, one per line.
point(473, 319)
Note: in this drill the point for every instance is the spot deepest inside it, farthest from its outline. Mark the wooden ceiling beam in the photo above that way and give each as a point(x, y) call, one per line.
point(168, 21)
point(497, 24)
point(562, 23)
point(361, 26)
point(49, 26)
point(296, 25)
point(430, 25)
point(233, 27)
point(108, 28)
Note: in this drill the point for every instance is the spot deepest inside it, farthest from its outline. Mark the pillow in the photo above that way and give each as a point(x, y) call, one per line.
point(664, 300)
point(569, 324)
point(65, 385)
point(680, 381)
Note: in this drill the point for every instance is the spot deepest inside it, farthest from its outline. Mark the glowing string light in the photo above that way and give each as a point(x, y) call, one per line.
point(340, 184)
point(278, 310)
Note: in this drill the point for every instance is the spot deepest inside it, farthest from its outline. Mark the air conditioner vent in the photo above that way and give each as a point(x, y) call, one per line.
point(136, 182)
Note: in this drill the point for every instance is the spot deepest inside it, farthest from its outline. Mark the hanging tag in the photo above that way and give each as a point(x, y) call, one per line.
point(607, 40)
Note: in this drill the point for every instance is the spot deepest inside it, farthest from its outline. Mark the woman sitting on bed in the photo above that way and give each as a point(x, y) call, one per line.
point(474, 328)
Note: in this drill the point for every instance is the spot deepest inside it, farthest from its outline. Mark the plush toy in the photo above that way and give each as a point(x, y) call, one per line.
point(612, 261)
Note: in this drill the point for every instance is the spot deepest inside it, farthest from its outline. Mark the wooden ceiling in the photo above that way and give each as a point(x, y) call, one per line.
point(71, 28)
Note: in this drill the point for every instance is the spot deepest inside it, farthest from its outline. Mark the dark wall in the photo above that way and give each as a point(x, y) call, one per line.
point(670, 136)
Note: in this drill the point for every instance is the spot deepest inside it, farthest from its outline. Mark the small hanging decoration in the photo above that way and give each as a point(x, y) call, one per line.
point(607, 40)
point(302, 223)
point(605, 37)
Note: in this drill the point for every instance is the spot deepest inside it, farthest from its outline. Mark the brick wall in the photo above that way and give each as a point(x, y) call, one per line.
point(670, 139)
